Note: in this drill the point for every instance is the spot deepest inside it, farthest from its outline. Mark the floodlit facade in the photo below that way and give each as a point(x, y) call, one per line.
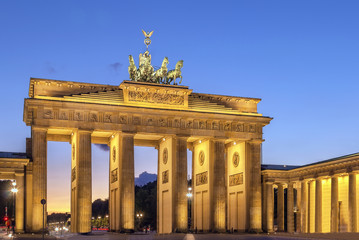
point(223, 132)
point(321, 197)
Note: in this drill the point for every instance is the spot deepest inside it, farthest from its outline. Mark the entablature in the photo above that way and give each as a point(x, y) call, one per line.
point(46, 113)
point(338, 166)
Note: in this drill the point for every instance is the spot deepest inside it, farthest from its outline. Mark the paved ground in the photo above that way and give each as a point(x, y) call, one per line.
point(153, 236)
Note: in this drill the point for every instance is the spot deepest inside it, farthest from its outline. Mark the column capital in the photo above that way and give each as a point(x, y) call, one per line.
point(128, 133)
point(39, 128)
point(269, 182)
point(219, 139)
point(255, 141)
point(84, 131)
point(186, 136)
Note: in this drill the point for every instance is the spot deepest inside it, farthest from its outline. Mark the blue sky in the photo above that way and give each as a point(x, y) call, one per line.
point(300, 57)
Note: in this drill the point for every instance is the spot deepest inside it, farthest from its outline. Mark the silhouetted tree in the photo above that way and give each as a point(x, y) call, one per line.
point(146, 203)
point(100, 208)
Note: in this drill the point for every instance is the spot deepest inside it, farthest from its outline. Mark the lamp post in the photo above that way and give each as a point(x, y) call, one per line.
point(43, 202)
point(139, 216)
point(189, 197)
point(14, 191)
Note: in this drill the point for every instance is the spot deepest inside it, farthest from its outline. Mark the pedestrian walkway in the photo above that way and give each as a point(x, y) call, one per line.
point(153, 236)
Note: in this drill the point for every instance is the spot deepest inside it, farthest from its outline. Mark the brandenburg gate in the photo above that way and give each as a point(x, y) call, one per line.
point(224, 134)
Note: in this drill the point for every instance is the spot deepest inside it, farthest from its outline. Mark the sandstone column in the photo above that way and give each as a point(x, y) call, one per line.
point(304, 204)
point(280, 207)
point(28, 193)
point(127, 182)
point(334, 204)
point(290, 208)
point(84, 182)
point(253, 186)
point(180, 184)
point(172, 185)
point(352, 203)
point(270, 207)
point(318, 205)
point(39, 189)
point(219, 186)
point(299, 208)
point(20, 203)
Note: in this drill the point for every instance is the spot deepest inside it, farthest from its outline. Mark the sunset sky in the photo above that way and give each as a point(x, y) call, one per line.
point(300, 57)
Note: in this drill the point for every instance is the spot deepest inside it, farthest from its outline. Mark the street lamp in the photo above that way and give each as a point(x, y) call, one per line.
point(189, 197)
point(14, 191)
point(139, 216)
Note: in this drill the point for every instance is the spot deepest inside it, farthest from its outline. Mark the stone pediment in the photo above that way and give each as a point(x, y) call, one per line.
point(142, 94)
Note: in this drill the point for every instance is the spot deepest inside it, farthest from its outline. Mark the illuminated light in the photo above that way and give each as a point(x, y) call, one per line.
point(113, 136)
point(99, 217)
point(56, 229)
point(141, 215)
point(93, 218)
point(107, 216)
point(163, 139)
point(138, 215)
point(234, 143)
point(189, 189)
point(200, 141)
point(72, 134)
point(14, 190)
point(14, 183)
point(189, 195)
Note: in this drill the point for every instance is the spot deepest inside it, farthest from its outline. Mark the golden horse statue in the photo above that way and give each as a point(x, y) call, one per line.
point(132, 69)
point(161, 73)
point(174, 74)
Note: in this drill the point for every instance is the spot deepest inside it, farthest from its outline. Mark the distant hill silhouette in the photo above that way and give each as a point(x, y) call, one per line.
point(145, 178)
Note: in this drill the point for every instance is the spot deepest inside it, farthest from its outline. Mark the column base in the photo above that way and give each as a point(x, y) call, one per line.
point(127, 231)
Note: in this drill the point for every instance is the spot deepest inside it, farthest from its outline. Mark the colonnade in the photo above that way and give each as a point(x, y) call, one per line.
point(210, 182)
point(322, 204)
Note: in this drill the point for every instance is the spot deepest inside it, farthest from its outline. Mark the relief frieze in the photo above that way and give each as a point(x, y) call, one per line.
point(136, 120)
point(148, 120)
point(73, 174)
point(154, 97)
point(123, 119)
point(63, 116)
point(78, 116)
point(93, 117)
point(201, 178)
point(48, 114)
point(236, 179)
point(165, 176)
point(114, 175)
point(162, 122)
point(107, 118)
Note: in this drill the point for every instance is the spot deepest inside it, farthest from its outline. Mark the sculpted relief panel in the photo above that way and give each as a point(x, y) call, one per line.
point(201, 178)
point(236, 179)
point(154, 97)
